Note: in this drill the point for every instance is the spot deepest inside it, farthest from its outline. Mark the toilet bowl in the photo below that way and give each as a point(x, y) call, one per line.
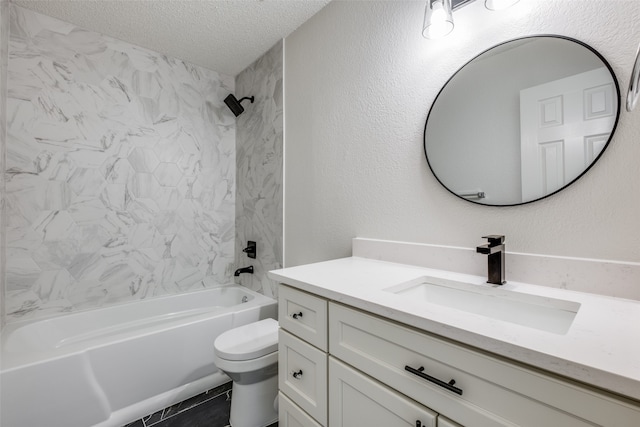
point(249, 356)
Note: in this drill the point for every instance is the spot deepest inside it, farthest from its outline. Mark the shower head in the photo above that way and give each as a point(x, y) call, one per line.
point(234, 104)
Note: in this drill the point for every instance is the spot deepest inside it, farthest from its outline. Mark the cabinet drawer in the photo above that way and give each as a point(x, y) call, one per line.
point(290, 415)
point(494, 392)
point(357, 400)
point(303, 315)
point(302, 375)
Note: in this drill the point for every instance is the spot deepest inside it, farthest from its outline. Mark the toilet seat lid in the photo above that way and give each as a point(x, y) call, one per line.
point(249, 341)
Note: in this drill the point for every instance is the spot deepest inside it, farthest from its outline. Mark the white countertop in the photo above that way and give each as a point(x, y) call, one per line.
point(602, 346)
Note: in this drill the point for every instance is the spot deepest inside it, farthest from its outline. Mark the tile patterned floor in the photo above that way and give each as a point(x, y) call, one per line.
point(209, 409)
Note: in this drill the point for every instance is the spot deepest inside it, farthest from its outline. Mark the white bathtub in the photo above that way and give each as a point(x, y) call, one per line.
point(110, 366)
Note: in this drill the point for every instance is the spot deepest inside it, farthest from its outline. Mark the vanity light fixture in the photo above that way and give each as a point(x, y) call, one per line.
point(499, 4)
point(438, 15)
point(438, 19)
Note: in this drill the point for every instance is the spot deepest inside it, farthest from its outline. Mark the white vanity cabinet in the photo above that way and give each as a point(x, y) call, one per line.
point(319, 390)
point(380, 372)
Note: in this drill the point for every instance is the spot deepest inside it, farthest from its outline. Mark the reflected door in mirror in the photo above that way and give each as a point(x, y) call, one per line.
point(564, 126)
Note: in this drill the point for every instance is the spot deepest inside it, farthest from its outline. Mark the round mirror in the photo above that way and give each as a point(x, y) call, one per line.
point(522, 121)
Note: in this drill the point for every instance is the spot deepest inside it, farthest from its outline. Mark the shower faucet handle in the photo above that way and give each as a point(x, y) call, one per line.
point(251, 249)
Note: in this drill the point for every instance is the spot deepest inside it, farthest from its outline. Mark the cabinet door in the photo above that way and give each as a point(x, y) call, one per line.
point(357, 400)
point(290, 415)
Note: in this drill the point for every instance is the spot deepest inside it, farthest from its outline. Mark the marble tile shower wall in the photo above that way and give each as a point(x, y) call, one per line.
point(4, 45)
point(120, 174)
point(259, 150)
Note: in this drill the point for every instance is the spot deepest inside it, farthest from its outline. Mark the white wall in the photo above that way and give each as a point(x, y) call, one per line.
point(359, 81)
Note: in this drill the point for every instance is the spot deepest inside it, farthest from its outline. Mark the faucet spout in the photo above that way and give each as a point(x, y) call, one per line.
point(495, 259)
point(244, 270)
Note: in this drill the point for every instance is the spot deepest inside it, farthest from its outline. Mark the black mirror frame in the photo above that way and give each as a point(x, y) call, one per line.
point(613, 129)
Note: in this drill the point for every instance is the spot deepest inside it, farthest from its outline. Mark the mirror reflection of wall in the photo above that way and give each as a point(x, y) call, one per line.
point(473, 132)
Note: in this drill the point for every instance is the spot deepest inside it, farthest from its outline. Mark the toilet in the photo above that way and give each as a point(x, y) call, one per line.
point(249, 355)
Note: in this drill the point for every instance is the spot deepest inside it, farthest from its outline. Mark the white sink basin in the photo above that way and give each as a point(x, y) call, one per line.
point(546, 314)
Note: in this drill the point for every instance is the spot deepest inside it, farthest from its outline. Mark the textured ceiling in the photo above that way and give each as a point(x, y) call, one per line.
point(222, 35)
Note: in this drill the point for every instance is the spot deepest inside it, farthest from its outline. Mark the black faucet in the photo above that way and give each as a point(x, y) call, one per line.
point(495, 260)
point(244, 270)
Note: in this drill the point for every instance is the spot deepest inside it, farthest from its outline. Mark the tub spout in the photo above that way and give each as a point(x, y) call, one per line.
point(244, 270)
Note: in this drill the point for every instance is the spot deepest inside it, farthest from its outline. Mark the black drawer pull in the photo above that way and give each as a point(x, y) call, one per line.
point(418, 423)
point(296, 315)
point(419, 372)
point(297, 375)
